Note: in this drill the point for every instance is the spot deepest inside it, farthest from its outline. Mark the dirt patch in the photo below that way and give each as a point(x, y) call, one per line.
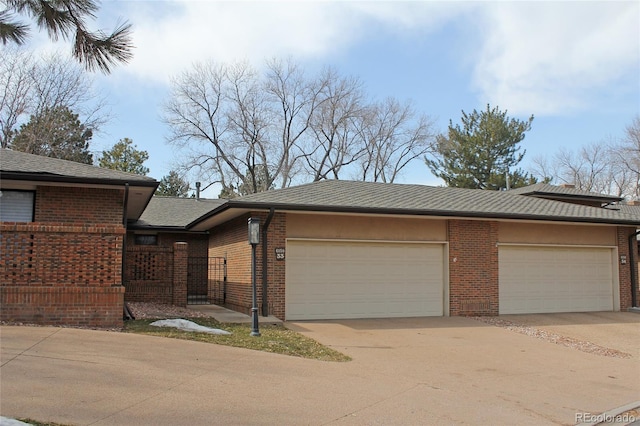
point(143, 310)
point(570, 342)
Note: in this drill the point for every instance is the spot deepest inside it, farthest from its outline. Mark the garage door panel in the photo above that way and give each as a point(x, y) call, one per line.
point(363, 280)
point(555, 279)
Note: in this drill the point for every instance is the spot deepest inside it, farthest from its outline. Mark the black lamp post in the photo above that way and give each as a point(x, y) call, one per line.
point(254, 240)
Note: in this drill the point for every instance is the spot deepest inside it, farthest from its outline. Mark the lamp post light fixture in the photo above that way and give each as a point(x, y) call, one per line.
point(254, 240)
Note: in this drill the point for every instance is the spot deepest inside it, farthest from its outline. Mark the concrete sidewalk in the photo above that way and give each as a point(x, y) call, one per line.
point(419, 371)
point(225, 315)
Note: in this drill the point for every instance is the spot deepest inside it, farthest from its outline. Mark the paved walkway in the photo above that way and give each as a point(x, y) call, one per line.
point(228, 316)
point(420, 371)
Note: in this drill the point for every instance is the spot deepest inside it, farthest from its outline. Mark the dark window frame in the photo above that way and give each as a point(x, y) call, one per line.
point(145, 239)
point(33, 202)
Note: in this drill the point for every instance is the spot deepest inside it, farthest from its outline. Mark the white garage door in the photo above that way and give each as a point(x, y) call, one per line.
point(335, 280)
point(555, 279)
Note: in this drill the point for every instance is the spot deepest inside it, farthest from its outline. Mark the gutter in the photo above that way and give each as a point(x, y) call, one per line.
point(633, 243)
point(265, 228)
point(151, 183)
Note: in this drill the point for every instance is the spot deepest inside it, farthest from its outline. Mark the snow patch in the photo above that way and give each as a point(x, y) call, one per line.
point(5, 421)
point(187, 325)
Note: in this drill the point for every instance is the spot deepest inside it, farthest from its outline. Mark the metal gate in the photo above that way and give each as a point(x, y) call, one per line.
point(206, 280)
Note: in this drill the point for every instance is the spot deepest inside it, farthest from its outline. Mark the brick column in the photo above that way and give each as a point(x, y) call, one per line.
point(625, 270)
point(473, 267)
point(180, 258)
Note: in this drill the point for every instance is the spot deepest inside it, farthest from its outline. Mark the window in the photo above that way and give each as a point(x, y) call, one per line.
point(146, 240)
point(16, 206)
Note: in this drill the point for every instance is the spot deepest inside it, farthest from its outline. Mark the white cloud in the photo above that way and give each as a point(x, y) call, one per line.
point(527, 57)
point(552, 57)
point(231, 31)
point(170, 36)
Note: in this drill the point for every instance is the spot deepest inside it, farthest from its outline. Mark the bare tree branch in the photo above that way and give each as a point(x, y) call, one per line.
point(30, 86)
point(394, 138)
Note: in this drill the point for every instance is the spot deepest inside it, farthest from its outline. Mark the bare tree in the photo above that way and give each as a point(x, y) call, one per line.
point(596, 167)
point(16, 70)
point(243, 128)
point(31, 86)
point(197, 122)
point(296, 99)
point(627, 153)
point(584, 169)
point(336, 142)
point(394, 137)
point(252, 130)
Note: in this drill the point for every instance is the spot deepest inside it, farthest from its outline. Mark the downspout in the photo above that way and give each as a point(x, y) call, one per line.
point(265, 228)
point(634, 268)
point(125, 202)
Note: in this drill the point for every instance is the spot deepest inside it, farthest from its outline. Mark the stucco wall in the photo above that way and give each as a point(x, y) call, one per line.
point(535, 233)
point(365, 227)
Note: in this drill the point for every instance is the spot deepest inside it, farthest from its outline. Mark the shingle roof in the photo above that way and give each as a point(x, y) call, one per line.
point(348, 196)
point(174, 212)
point(19, 164)
point(548, 189)
point(632, 210)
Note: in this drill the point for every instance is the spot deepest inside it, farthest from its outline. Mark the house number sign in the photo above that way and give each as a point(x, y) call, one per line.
point(279, 253)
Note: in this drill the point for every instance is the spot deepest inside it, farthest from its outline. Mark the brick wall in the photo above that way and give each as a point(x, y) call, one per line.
point(473, 267)
point(623, 234)
point(150, 271)
point(148, 274)
point(277, 234)
point(231, 240)
point(157, 274)
point(61, 273)
point(78, 205)
point(180, 272)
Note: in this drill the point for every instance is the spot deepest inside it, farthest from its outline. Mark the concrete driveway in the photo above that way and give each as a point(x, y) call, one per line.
point(405, 371)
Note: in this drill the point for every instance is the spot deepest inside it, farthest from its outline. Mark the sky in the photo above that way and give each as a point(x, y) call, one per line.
point(574, 65)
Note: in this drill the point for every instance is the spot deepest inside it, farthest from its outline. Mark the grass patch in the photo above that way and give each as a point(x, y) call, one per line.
point(274, 338)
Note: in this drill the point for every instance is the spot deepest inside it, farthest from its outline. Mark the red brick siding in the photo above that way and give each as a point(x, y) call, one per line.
point(59, 273)
point(148, 274)
point(277, 234)
point(230, 240)
point(473, 267)
point(149, 269)
point(180, 270)
point(75, 306)
point(78, 205)
point(625, 270)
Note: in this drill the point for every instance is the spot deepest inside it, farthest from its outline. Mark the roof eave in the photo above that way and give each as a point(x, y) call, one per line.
point(555, 195)
point(161, 228)
point(39, 177)
point(407, 212)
